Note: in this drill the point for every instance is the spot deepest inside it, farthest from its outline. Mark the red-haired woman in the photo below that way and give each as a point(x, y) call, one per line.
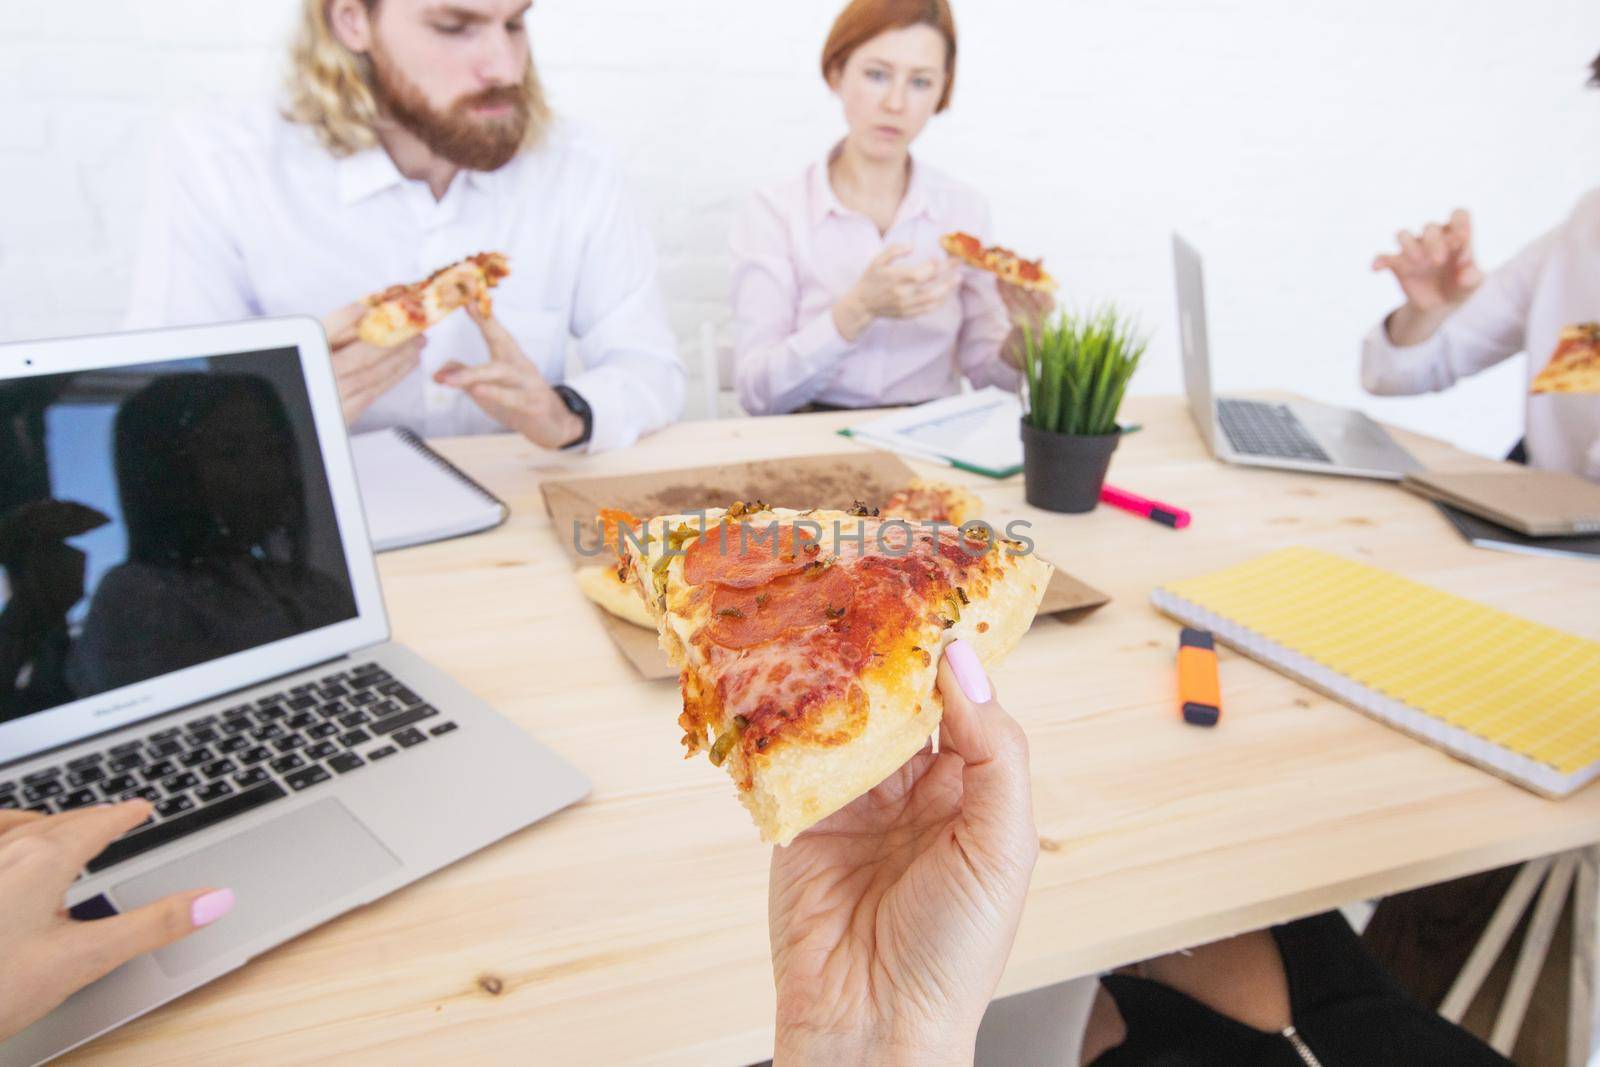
point(842, 297)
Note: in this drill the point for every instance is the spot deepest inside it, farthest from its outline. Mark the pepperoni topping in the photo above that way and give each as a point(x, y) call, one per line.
point(787, 642)
point(965, 244)
point(411, 307)
point(1001, 261)
point(748, 555)
point(782, 655)
point(743, 618)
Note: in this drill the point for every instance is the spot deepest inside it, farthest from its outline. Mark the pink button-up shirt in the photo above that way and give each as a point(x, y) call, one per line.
point(797, 250)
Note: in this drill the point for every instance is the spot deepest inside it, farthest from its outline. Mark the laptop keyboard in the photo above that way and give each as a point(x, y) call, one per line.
point(1254, 428)
point(218, 766)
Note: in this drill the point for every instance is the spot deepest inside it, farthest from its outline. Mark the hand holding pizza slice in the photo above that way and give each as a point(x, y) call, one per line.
point(809, 641)
point(365, 372)
point(923, 878)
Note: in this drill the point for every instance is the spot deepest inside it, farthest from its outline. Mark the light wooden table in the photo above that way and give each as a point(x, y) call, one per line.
point(632, 928)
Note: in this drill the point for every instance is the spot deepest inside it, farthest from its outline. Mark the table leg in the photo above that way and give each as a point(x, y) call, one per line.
point(1535, 947)
point(1584, 1010)
point(1494, 938)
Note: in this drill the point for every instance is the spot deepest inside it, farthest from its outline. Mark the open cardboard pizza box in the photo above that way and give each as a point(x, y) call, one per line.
point(834, 481)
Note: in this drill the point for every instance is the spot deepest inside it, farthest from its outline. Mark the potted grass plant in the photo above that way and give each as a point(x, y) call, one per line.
point(1077, 369)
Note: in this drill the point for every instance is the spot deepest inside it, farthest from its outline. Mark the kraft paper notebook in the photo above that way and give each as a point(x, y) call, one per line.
point(1536, 503)
point(1512, 696)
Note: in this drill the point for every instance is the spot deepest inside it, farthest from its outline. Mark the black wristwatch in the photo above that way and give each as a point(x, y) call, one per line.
point(579, 407)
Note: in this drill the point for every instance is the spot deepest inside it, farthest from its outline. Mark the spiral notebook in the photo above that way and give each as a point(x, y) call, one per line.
point(1514, 697)
point(412, 495)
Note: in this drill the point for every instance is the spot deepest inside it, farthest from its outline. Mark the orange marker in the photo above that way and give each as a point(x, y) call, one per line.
point(1198, 690)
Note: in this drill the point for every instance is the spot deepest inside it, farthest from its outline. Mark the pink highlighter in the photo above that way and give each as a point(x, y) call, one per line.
point(1153, 510)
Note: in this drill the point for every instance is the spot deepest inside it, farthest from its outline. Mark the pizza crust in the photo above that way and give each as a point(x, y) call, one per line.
point(601, 585)
point(846, 746)
point(800, 785)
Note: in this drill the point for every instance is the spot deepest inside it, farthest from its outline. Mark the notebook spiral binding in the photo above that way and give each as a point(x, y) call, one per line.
point(421, 447)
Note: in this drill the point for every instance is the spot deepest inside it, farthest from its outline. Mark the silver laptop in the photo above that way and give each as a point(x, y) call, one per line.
point(1297, 436)
point(204, 627)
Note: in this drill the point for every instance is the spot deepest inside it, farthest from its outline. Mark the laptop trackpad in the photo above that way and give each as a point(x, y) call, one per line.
point(281, 871)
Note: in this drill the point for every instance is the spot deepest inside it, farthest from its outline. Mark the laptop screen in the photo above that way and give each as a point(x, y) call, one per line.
point(1193, 339)
point(155, 517)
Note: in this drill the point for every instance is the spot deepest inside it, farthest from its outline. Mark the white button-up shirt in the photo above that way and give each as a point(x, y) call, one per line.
point(251, 216)
point(797, 249)
point(1521, 307)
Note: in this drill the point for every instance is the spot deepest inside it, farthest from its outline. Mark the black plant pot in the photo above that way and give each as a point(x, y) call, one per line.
point(1065, 472)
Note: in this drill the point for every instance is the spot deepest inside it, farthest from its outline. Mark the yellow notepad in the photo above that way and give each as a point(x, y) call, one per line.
point(1515, 697)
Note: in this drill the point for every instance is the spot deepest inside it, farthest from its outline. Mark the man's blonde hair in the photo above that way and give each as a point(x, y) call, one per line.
point(330, 87)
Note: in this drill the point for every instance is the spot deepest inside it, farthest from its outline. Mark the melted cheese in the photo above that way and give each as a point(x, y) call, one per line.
point(805, 684)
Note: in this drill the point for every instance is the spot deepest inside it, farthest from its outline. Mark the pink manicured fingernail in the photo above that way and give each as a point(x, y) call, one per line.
point(211, 907)
point(969, 672)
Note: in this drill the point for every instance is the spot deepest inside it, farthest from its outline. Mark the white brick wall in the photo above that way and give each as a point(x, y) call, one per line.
point(1288, 139)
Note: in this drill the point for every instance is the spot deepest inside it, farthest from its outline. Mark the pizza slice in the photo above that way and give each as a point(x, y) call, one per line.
point(400, 312)
point(930, 500)
point(808, 642)
point(1575, 365)
point(1001, 262)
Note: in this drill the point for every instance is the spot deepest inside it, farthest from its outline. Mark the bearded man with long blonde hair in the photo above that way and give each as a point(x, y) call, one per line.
point(415, 133)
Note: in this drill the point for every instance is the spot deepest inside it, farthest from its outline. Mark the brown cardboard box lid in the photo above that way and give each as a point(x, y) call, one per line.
point(835, 480)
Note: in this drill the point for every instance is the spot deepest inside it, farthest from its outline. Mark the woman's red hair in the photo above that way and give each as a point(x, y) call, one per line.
point(865, 19)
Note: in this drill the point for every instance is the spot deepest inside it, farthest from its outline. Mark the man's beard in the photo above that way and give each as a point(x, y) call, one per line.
point(455, 134)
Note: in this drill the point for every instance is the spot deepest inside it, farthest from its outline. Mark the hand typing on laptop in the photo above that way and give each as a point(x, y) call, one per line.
point(215, 647)
point(49, 955)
